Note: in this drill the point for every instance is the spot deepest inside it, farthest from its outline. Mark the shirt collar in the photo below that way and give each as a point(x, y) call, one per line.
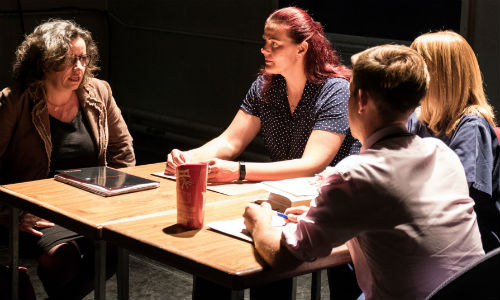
point(382, 133)
point(310, 89)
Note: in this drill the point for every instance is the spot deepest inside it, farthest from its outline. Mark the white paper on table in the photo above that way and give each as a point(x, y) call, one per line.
point(297, 187)
point(229, 189)
point(236, 227)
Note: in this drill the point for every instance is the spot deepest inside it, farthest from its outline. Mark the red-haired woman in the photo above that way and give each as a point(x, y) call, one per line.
point(299, 103)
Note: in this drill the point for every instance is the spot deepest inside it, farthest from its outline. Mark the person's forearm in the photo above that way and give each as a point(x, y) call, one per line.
point(216, 148)
point(267, 243)
point(282, 169)
point(320, 150)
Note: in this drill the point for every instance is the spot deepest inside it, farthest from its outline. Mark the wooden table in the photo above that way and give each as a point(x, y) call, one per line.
point(87, 213)
point(221, 259)
point(145, 222)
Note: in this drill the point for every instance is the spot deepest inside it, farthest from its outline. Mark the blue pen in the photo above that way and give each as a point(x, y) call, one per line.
point(279, 214)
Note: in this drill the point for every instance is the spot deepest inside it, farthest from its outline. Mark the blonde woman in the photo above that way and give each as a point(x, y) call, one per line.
point(457, 111)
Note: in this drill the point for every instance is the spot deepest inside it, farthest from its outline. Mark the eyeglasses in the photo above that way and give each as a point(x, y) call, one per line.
point(84, 60)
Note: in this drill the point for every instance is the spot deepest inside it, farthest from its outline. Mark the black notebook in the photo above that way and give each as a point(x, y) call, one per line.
point(105, 181)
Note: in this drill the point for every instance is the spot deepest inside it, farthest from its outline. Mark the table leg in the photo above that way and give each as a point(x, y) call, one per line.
point(14, 251)
point(293, 289)
point(237, 294)
point(202, 288)
point(316, 285)
point(100, 270)
point(122, 274)
point(284, 289)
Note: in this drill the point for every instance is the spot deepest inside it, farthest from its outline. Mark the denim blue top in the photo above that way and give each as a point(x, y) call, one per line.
point(322, 106)
point(475, 142)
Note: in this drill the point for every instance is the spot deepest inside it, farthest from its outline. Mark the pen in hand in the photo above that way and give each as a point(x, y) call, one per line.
point(276, 213)
point(279, 214)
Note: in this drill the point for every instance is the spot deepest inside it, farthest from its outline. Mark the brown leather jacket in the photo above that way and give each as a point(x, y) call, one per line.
point(25, 143)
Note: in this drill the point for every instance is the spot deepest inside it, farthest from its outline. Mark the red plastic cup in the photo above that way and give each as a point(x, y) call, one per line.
point(191, 186)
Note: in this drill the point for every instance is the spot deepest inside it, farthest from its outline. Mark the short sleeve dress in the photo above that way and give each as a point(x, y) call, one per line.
point(322, 107)
point(475, 142)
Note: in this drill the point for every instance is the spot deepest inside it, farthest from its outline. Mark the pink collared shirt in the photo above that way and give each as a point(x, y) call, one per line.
point(402, 205)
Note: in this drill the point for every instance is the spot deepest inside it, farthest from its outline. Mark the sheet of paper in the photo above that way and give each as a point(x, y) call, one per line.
point(229, 189)
point(163, 175)
point(237, 228)
point(301, 186)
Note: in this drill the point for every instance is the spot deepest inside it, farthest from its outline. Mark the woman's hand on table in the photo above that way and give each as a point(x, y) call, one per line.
point(220, 170)
point(28, 223)
point(174, 159)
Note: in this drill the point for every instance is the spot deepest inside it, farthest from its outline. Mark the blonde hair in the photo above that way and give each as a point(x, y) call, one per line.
point(456, 85)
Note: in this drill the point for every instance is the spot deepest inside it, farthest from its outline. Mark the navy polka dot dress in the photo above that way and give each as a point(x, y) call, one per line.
point(322, 106)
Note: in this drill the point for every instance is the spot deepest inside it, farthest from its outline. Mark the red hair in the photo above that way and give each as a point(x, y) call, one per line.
point(321, 60)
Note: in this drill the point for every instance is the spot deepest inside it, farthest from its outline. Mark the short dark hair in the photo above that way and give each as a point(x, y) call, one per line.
point(395, 76)
point(45, 50)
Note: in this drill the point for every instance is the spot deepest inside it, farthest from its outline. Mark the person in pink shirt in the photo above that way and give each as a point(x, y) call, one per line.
point(402, 205)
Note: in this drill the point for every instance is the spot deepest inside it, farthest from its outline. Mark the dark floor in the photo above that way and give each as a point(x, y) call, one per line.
point(151, 280)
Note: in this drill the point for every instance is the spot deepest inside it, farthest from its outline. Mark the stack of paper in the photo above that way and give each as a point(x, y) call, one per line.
point(290, 192)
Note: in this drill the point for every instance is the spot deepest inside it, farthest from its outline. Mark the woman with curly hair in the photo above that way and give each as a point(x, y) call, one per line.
point(298, 103)
point(57, 116)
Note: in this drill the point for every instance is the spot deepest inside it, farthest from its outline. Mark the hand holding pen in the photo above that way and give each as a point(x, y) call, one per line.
point(280, 214)
point(256, 215)
point(274, 212)
point(293, 213)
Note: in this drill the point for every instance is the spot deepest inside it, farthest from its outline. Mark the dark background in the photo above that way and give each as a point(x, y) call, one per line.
point(180, 69)
point(389, 19)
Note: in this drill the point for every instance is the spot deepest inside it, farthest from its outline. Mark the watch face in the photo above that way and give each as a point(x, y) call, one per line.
point(243, 171)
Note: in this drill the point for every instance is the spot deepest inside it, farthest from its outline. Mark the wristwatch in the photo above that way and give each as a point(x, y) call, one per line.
point(243, 170)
